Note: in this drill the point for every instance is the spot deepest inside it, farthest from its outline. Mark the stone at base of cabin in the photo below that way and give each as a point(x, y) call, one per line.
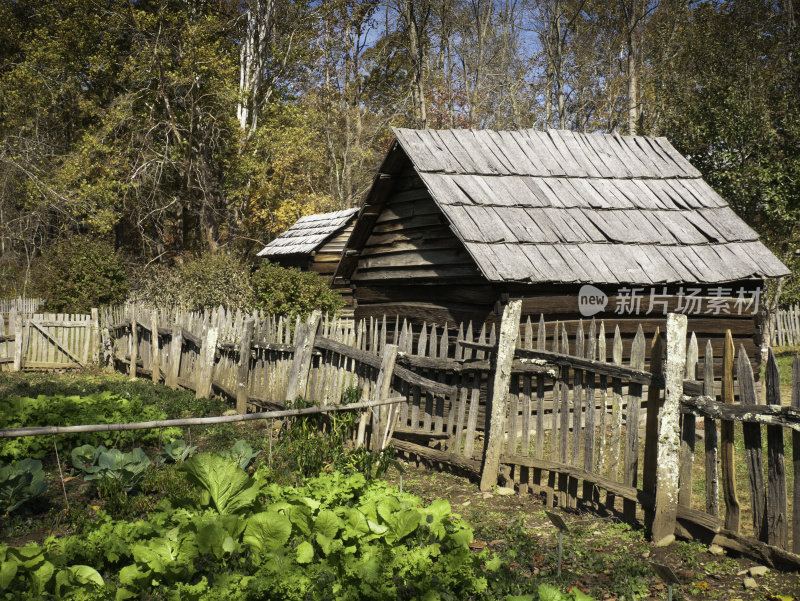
point(749, 583)
point(666, 541)
point(716, 550)
point(758, 570)
point(230, 412)
point(504, 491)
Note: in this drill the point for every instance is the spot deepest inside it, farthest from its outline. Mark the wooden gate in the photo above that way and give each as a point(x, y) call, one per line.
point(49, 341)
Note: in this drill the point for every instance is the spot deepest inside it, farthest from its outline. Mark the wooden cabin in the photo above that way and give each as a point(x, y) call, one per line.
point(315, 243)
point(458, 222)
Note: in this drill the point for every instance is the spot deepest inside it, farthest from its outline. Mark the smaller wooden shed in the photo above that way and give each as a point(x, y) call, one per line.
point(315, 243)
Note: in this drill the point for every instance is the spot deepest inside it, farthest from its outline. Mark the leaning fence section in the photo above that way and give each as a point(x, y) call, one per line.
point(754, 499)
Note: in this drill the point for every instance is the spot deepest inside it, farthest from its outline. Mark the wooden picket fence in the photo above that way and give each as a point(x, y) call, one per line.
point(20, 305)
point(48, 340)
point(786, 330)
point(529, 406)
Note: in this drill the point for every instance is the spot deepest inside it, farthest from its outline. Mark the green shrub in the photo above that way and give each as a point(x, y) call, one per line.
point(282, 291)
point(80, 273)
point(211, 280)
point(206, 281)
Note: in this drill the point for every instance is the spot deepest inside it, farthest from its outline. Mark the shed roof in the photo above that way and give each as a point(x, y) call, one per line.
point(566, 207)
point(309, 233)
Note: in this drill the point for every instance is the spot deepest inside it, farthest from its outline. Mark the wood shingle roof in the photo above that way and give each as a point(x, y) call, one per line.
point(564, 207)
point(309, 233)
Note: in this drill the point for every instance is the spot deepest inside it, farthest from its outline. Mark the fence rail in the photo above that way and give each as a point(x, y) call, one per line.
point(563, 416)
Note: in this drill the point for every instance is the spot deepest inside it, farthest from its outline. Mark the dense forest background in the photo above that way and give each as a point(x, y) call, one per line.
point(173, 128)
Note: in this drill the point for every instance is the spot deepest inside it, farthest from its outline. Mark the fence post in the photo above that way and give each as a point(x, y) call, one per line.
point(383, 386)
point(651, 439)
point(155, 347)
point(95, 356)
point(669, 433)
point(496, 407)
point(175, 349)
point(243, 371)
point(17, 339)
point(134, 347)
point(727, 452)
point(205, 368)
point(301, 362)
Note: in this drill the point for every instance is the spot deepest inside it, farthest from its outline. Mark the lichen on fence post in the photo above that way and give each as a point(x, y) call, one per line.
point(496, 410)
point(669, 443)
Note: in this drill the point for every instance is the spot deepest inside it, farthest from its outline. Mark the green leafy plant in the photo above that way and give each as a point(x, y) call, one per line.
point(95, 408)
point(111, 465)
point(28, 571)
point(19, 482)
point(241, 452)
point(225, 485)
point(176, 451)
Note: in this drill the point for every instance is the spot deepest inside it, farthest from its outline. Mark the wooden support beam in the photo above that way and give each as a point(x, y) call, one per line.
point(94, 335)
point(243, 369)
point(496, 407)
point(669, 433)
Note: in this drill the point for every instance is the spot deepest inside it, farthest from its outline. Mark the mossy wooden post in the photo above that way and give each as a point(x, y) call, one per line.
point(496, 409)
point(654, 403)
point(133, 347)
point(383, 386)
point(669, 433)
point(15, 320)
point(205, 367)
point(155, 348)
point(301, 362)
point(175, 349)
point(727, 454)
point(243, 370)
